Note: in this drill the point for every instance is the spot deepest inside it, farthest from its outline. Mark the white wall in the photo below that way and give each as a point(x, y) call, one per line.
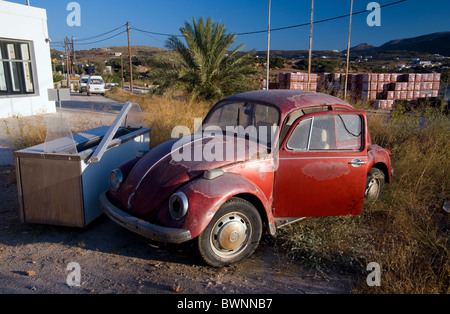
point(22, 22)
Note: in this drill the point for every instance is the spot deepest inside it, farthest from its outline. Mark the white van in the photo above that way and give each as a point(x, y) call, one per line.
point(83, 83)
point(95, 85)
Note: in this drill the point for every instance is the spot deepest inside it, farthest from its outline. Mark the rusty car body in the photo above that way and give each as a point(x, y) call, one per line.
point(318, 160)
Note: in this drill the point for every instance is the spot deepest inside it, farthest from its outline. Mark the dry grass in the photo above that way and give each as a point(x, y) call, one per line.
point(162, 114)
point(25, 132)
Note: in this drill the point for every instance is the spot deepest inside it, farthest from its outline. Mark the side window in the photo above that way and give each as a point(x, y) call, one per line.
point(328, 133)
point(299, 139)
point(349, 131)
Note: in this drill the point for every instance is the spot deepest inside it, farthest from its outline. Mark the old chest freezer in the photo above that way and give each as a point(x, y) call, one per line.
point(60, 186)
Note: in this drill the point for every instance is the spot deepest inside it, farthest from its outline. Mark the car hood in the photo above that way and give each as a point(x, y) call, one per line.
point(166, 168)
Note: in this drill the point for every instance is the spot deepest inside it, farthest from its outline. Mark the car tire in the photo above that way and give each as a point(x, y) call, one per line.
point(232, 235)
point(374, 184)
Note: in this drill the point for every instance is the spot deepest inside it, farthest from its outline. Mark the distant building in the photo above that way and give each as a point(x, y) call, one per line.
point(425, 63)
point(25, 61)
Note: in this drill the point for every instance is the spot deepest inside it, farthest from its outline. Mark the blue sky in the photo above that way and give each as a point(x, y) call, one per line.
point(408, 19)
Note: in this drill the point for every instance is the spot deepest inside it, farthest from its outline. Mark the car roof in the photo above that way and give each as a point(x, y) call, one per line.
point(288, 101)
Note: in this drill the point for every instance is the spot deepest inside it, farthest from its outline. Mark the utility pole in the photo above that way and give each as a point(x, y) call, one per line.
point(310, 45)
point(121, 67)
point(66, 47)
point(129, 52)
point(268, 51)
point(348, 51)
point(72, 55)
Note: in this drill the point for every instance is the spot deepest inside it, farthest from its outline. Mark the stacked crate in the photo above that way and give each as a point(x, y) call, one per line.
point(410, 86)
point(333, 83)
point(297, 81)
point(383, 88)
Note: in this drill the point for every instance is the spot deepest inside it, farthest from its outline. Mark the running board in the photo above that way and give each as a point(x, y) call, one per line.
point(281, 222)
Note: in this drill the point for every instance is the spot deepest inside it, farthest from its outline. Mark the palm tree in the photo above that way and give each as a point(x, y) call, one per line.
point(206, 67)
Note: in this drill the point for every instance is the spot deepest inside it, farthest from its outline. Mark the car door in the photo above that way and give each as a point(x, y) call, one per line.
point(322, 166)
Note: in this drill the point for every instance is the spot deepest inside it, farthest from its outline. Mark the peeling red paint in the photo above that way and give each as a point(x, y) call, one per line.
point(322, 171)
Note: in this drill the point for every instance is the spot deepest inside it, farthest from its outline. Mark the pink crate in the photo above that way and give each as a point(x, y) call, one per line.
point(365, 78)
point(417, 86)
point(419, 77)
point(403, 86)
point(436, 77)
point(410, 77)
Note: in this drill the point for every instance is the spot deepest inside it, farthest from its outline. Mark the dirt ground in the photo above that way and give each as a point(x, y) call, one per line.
point(34, 260)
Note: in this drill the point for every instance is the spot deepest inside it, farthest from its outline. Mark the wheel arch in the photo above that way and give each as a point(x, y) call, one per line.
point(382, 166)
point(255, 201)
point(207, 196)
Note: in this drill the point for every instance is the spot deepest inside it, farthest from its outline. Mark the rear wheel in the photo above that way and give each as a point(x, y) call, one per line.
point(232, 235)
point(374, 184)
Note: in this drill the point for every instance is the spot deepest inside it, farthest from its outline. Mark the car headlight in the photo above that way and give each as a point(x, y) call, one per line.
point(178, 205)
point(115, 180)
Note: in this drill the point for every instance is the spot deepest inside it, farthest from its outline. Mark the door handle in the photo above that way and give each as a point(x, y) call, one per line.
point(357, 163)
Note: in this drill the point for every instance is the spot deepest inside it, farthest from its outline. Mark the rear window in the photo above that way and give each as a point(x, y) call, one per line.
point(96, 81)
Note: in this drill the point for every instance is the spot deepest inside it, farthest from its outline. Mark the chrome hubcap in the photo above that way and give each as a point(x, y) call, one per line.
point(373, 189)
point(230, 234)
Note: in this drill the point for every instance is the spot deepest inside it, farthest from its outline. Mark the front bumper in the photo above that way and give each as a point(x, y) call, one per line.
point(144, 228)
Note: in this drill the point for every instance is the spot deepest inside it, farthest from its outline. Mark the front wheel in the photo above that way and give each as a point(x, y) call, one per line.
point(232, 235)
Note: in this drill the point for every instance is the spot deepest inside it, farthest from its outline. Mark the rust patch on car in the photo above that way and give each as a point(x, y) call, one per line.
point(323, 171)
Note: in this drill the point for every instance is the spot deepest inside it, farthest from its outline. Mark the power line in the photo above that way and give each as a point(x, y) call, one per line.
point(317, 22)
point(101, 35)
point(81, 41)
point(154, 33)
point(281, 28)
point(102, 40)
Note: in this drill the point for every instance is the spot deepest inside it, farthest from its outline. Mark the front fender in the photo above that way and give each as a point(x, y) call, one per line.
point(380, 158)
point(207, 196)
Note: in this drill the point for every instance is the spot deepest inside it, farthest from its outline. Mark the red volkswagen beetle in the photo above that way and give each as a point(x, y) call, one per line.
point(262, 160)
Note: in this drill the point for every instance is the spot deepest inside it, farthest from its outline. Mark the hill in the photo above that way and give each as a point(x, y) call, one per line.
point(436, 43)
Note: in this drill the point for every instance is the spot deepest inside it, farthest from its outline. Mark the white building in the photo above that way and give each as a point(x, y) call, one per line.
point(25, 61)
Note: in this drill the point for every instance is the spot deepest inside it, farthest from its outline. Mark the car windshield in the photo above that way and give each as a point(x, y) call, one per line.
point(254, 121)
point(96, 81)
